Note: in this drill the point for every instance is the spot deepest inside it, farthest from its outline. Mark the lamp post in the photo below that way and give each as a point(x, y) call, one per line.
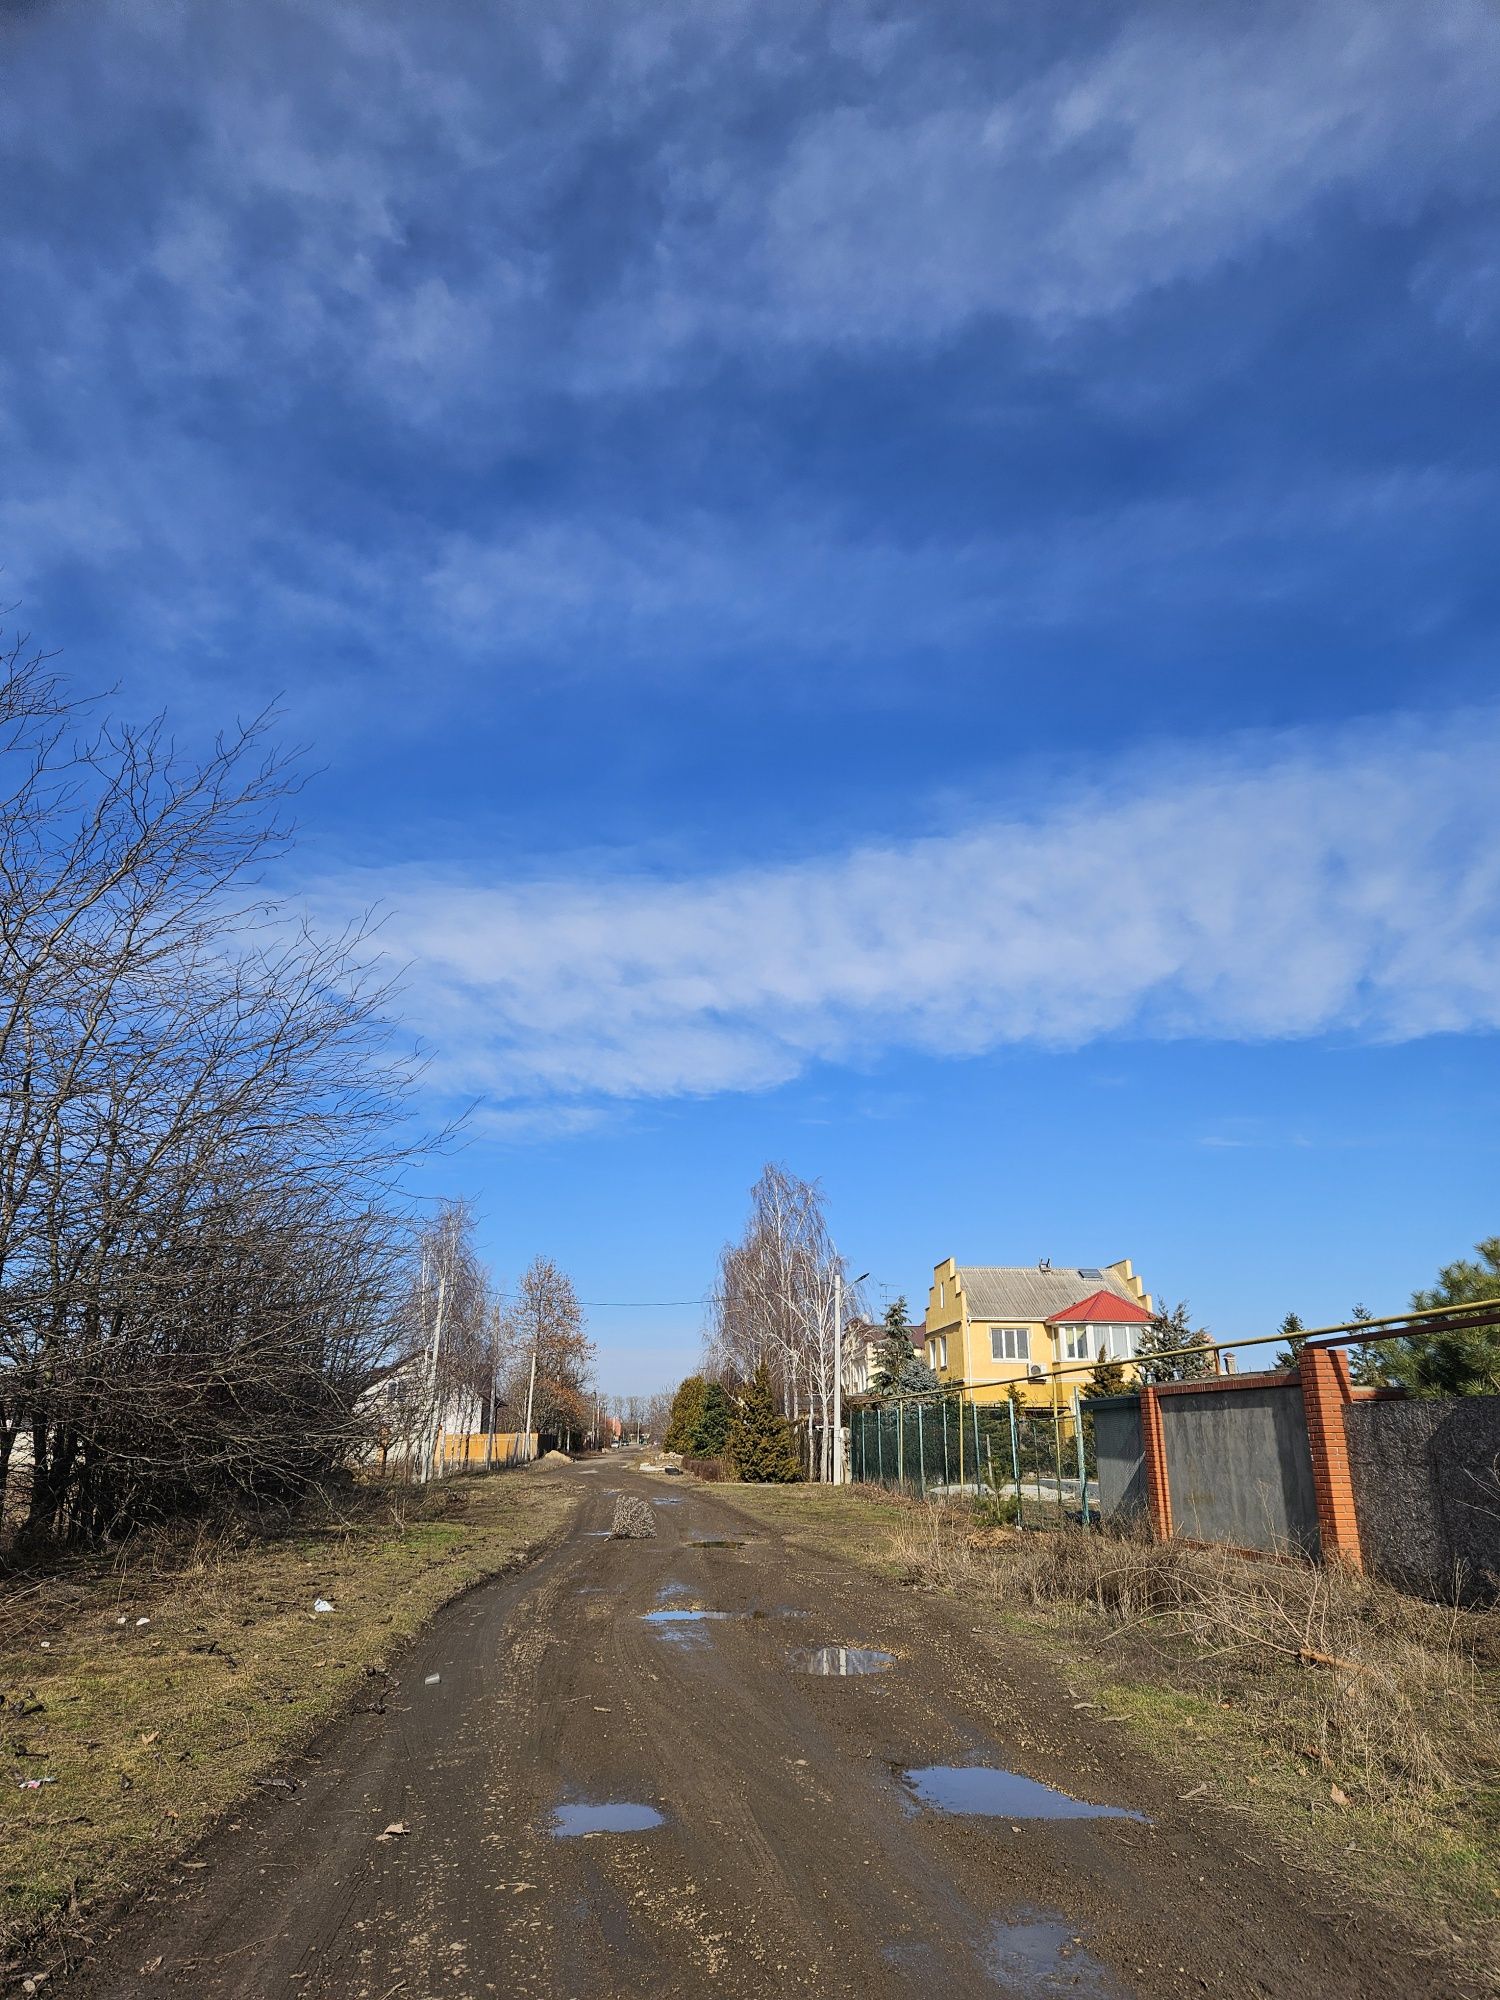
point(839, 1467)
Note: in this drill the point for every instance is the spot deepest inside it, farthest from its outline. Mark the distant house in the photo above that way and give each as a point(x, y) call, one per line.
point(398, 1403)
point(998, 1326)
point(863, 1340)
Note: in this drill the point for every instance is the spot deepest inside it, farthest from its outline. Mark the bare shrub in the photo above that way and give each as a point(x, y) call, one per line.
point(711, 1469)
point(200, 1237)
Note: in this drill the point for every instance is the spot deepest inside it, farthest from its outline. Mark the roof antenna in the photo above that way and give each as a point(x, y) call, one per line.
point(1045, 1264)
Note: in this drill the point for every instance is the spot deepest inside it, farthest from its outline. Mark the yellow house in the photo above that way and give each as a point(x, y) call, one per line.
point(993, 1326)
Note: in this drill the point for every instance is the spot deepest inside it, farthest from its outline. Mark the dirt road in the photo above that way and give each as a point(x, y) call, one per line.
point(791, 1856)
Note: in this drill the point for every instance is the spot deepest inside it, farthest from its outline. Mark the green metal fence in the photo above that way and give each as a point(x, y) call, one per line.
point(1033, 1461)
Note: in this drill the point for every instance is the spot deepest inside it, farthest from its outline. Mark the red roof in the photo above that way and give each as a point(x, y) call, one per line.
point(1101, 1309)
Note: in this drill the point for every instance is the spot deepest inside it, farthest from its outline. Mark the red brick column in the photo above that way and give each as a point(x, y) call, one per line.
point(1154, 1460)
point(1326, 1389)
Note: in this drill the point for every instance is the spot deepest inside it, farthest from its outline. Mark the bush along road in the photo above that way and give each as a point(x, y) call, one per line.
point(644, 1767)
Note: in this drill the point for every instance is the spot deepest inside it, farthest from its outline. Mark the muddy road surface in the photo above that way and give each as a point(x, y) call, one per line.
point(767, 1835)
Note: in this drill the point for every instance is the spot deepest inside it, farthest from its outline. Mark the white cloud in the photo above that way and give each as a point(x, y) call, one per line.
point(1290, 890)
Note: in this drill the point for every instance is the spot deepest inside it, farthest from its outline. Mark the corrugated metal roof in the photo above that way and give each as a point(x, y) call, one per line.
point(1025, 1292)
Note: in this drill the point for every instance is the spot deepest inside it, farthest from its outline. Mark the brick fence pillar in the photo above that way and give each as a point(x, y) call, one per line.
point(1326, 1390)
point(1154, 1463)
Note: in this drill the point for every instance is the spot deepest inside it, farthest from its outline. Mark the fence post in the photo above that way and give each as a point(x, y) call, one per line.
point(978, 1476)
point(943, 1406)
point(880, 1444)
point(1325, 1391)
point(900, 1444)
point(1015, 1460)
point(921, 1452)
point(1154, 1463)
point(1057, 1454)
point(1083, 1463)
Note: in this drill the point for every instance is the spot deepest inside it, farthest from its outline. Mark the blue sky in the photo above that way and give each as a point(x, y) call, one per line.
point(906, 589)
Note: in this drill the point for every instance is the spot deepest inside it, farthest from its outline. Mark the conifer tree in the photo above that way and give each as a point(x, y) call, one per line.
point(687, 1408)
point(1107, 1378)
point(711, 1430)
point(762, 1445)
point(1292, 1333)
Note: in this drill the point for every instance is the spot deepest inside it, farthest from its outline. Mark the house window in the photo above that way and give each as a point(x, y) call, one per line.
point(937, 1352)
point(1010, 1343)
point(1076, 1343)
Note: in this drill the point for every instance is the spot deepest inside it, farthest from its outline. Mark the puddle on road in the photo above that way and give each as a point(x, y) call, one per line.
point(840, 1661)
point(683, 1627)
point(670, 1499)
point(715, 1542)
point(575, 1822)
point(1039, 1952)
point(986, 1789)
point(672, 1590)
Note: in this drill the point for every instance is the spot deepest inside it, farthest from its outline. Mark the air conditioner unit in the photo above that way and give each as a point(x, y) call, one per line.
point(1035, 1370)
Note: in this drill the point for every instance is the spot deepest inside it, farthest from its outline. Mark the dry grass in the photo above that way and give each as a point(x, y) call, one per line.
point(1393, 1693)
point(1384, 1765)
point(148, 1731)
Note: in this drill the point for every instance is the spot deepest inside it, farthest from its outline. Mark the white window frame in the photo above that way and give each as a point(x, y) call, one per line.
point(1117, 1341)
point(1010, 1343)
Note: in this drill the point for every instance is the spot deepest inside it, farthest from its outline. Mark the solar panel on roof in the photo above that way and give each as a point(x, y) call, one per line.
point(1092, 1274)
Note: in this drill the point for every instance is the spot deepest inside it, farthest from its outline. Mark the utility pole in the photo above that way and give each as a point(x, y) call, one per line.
point(838, 1376)
point(530, 1392)
point(432, 1381)
point(840, 1465)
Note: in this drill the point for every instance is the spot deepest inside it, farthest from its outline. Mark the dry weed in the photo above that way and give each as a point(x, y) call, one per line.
point(1347, 1672)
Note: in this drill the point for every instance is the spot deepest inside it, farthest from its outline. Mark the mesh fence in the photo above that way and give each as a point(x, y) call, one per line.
point(1034, 1460)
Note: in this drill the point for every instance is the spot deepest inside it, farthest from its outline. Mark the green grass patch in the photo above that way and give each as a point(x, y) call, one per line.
point(146, 1733)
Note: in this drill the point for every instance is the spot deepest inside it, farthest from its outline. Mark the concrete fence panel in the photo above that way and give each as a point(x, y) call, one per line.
point(1120, 1455)
point(1238, 1468)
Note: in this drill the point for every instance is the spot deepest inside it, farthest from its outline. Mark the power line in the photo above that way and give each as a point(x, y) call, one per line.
point(594, 1304)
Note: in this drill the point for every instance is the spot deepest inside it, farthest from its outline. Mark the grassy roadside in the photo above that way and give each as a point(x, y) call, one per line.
point(149, 1731)
point(1385, 1772)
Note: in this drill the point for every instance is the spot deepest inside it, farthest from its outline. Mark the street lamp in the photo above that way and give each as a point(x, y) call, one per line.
point(839, 1467)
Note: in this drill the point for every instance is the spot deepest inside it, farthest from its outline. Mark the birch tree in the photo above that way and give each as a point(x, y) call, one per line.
point(774, 1306)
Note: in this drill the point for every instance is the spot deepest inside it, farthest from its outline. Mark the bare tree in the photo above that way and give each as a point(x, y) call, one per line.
point(774, 1305)
point(201, 1233)
point(552, 1354)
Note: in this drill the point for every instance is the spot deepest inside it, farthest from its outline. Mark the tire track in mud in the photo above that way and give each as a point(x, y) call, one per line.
point(791, 1859)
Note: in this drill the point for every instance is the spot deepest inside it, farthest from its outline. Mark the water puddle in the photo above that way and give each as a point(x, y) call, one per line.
point(987, 1790)
point(599, 1534)
point(717, 1542)
point(576, 1822)
point(685, 1628)
point(672, 1590)
point(839, 1661)
point(670, 1499)
point(1039, 1952)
